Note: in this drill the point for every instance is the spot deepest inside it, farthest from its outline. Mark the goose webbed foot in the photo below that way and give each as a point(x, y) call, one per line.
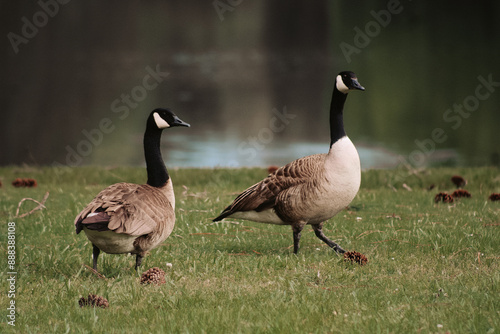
point(318, 230)
point(95, 255)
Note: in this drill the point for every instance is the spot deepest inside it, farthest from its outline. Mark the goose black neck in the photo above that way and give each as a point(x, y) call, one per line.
point(337, 116)
point(157, 172)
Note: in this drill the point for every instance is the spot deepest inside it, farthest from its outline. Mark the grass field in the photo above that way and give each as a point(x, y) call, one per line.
point(433, 268)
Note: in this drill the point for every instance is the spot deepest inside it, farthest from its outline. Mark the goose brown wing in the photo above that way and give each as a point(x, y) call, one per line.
point(132, 209)
point(262, 195)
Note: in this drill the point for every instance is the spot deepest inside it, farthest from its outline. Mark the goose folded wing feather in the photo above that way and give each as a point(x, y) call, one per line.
point(262, 195)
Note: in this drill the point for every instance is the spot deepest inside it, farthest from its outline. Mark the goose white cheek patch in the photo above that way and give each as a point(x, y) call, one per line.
point(341, 85)
point(160, 122)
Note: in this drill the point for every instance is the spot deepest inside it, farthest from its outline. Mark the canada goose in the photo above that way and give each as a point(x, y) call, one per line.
point(312, 189)
point(133, 218)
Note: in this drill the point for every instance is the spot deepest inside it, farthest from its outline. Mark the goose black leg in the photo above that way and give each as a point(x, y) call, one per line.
point(296, 240)
point(95, 255)
point(138, 261)
point(318, 230)
point(297, 229)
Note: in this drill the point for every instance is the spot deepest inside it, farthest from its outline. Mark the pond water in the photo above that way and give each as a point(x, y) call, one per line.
point(187, 151)
point(77, 91)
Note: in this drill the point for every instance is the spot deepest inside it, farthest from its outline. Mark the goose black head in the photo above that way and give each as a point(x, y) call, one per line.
point(347, 81)
point(164, 118)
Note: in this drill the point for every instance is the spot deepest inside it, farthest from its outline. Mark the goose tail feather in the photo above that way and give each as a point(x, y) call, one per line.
point(223, 215)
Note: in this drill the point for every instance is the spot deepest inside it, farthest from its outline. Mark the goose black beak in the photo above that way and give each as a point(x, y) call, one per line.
point(356, 85)
point(179, 122)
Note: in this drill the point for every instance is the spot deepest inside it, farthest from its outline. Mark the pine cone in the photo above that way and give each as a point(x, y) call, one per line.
point(153, 275)
point(461, 193)
point(271, 169)
point(94, 301)
point(459, 181)
point(355, 257)
point(443, 197)
point(19, 182)
point(494, 197)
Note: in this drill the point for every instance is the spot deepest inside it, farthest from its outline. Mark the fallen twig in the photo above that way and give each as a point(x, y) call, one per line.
point(407, 187)
point(96, 272)
point(39, 207)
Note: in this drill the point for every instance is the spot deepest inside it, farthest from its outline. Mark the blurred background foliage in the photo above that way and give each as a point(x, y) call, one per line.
point(233, 64)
